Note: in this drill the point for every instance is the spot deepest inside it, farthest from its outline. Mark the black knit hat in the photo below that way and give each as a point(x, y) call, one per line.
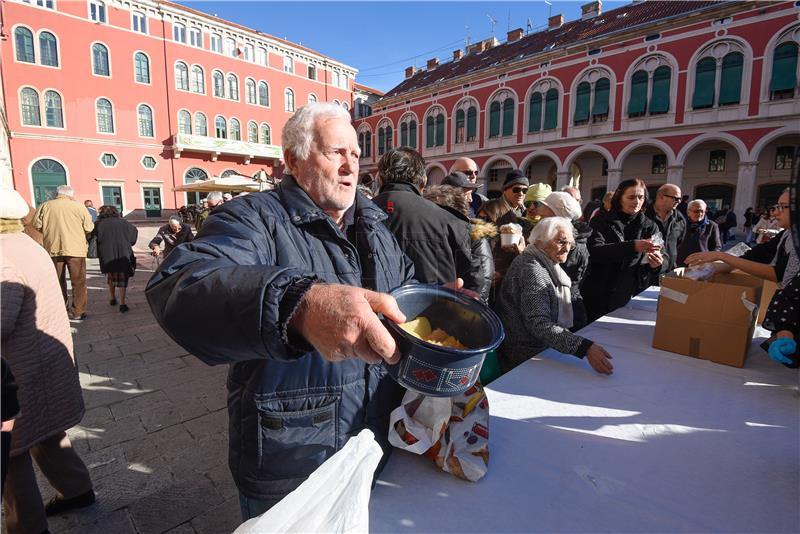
point(515, 177)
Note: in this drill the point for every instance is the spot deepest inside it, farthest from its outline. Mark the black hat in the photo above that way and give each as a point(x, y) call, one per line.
point(459, 179)
point(515, 177)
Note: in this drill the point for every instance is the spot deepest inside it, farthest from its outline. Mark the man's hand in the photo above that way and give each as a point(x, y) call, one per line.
point(645, 245)
point(599, 359)
point(156, 250)
point(703, 257)
point(341, 323)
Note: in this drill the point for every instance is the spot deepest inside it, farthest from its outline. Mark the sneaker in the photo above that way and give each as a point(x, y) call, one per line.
point(113, 302)
point(81, 317)
point(59, 505)
point(123, 308)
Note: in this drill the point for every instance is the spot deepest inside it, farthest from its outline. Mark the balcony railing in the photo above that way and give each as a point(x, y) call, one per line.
point(217, 147)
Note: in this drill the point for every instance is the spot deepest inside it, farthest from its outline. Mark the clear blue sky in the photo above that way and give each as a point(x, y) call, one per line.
point(381, 39)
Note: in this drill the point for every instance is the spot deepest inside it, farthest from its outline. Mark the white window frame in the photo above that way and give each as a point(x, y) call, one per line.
point(139, 22)
point(152, 119)
point(149, 70)
point(145, 167)
point(108, 57)
point(229, 47)
point(249, 52)
point(179, 32)
point(262, 56)
point(288, 64)
point(116, 160)
point(216, 43)
point(196, 37)
point(286, 100)
point(113, 117)
point(97, 11)
point(43, 109)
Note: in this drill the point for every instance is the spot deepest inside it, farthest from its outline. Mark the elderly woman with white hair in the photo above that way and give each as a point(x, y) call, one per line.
point(535, 302)
point(702, 234)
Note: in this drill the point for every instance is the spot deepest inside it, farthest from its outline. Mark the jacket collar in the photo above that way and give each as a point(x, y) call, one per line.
point(400, 186)
point(302, 210)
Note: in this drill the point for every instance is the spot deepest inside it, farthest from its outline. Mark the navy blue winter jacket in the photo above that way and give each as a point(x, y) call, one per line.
point(223, 298)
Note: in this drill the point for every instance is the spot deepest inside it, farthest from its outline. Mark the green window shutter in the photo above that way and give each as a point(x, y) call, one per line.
point(381, 141)
point(494, 119)
point(601, 92)
point(637, 105)
point(659, 101)
point(403, 134)
point(582, 97)
point(412, 134)
point(389, 137)
point(472, 123)
point(459, 127)
point(730, 88)
point(429, 132)
point(459, 119)
point(784, 68)
point(440, 130)
point(551, 109)
point(535, 112)
point(704, 82)
point(508, 116)
point(367, 143)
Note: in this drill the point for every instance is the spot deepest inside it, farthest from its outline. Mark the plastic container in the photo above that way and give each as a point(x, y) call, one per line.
point(433, 369)
point(509, 239)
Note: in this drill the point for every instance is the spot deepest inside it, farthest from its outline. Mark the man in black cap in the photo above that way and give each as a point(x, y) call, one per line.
point(512, 203)
point(459, 179)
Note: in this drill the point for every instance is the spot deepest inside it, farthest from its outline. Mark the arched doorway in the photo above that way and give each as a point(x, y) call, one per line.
point(541, 169)
point(495, 175)
point(47, 175)
point(716, 196)
point(192, 175)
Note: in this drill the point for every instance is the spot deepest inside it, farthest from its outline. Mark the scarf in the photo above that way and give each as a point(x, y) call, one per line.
point(561, 283)
point(11, 226)
point(793, 265)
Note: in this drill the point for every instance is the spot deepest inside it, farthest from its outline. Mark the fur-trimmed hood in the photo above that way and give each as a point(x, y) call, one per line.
point(480, 229)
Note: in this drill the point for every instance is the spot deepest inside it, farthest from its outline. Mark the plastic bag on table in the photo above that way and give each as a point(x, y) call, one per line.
point(335, 498)
point(452, 431)
point(702, 272)
point(738, 250)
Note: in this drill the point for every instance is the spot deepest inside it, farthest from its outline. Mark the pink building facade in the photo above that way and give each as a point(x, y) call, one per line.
point(704, 95)
point(125, 101)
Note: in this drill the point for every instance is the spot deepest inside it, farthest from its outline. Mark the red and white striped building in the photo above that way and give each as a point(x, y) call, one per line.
point(125, 100)
point(696, 93)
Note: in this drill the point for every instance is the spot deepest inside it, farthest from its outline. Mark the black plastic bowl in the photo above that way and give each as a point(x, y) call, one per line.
point(433, 369)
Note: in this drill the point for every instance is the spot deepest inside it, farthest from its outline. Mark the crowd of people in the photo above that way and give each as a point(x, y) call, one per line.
point(305, 270)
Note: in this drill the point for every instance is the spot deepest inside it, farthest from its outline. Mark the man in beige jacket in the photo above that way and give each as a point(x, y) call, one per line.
point(64, 223)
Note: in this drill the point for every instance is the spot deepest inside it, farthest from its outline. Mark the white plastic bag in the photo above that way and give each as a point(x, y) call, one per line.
point(335, 498)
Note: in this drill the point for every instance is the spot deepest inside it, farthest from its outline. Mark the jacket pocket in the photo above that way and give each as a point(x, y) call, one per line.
point(295, 436)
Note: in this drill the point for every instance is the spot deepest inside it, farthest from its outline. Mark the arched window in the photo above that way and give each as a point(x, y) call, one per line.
point(263, 94)
point(234, 130)
point(47, 175)
point(312, 99)
point(219, 84)
point(194, 174)
point(368, 144)
point(145, 121)
point(583, 97)
point(181, 76)
point(784, 71)
point(198, 79)
point(501, 115)
point(100, 65)
point(389, 137)
point(591, 99)
point(466, 125)
point(535, 112)
point(730, 85)
point(233, 87)
point(141, 67)
point(29, 106)
point(221, 127)
point(602, 90)
point(659, 101)
point(408, 132)
point(704, 83)
point(434, 127)
point(550, 109)
point(23, 39)
point(200, 124)
point(105, 116)
point(655, 83)
point(288, 100)
point(48, 49)
point(53, 110)
point(184, 122)
point(250, 90)
point(266, 134)
point(385, 138)
point(637, 104)
point(252, 132)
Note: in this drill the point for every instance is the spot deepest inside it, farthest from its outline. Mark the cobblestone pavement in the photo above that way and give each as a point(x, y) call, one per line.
point(155, 431)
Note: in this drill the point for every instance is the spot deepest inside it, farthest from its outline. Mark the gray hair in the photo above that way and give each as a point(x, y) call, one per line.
point(697, 202)
point(65, 191)
point(176, 218)
point(215, 196)
point(547, 228)
point(298, 132)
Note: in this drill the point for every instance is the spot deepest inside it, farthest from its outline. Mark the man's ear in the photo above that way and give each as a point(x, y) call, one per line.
point(290, 160)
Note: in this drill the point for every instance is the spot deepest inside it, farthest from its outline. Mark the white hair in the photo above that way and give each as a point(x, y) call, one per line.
point(697, 202)
point(65, 191)
point(214, 196)
point(547, 228)
point(176, 218)
point(298, 132)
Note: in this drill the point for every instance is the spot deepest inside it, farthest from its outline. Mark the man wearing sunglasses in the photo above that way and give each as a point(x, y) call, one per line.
point(663, 211)
point(470, 168)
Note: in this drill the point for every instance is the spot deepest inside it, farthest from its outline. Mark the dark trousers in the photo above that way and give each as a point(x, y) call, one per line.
point(77, 275)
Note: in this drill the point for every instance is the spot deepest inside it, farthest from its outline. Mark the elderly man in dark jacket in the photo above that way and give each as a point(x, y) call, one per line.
point(300, 274)
point(669, 220)
point(436, 240)
point(702, 234)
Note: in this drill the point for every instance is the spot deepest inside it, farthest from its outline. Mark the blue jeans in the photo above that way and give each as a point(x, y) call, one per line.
point(254, 507)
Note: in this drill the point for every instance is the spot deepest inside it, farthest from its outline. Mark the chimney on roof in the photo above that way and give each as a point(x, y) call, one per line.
point(514, 35)
point(591, 10)
point(556, 21)
point(410, 71)
point(457, 54)
point(433, 63)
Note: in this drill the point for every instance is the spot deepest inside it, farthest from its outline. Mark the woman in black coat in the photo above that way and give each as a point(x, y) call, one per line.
point(622, 258)
point(115, 239)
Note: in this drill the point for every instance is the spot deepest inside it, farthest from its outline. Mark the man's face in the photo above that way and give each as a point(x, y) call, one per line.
point(515, 195)
point(667, 199)
point(175, 226)
point(468, 167)
point(330, 174)
point(696, 212)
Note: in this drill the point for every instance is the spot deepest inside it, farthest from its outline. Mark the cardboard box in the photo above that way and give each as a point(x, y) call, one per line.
point(711, 320)
point(768, 289)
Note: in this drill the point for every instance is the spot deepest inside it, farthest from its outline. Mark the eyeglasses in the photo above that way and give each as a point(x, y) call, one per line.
point(675, 199)
point(781, 207)
point(563, 243)
point(470, 173)
point(518, 190)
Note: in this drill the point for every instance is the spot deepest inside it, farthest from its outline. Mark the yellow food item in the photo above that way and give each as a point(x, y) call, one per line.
point(421, 329)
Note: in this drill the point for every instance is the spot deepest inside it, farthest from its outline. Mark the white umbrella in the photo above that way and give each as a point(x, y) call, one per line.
point(233, 183)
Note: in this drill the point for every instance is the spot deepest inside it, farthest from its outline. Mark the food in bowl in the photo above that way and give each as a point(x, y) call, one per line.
point(421, 329)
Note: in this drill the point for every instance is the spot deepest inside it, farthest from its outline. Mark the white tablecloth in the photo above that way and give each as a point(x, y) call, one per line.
point(667, 443)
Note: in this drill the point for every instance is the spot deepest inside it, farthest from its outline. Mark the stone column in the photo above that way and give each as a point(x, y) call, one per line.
point(614, 178)
point(562, 179)
point(675, 176)
point(745, 189)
